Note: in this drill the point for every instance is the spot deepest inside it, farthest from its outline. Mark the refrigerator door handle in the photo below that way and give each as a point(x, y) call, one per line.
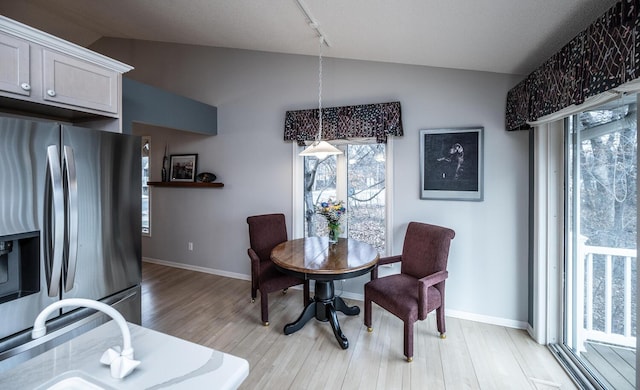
point(54, 221)
point(71, 181)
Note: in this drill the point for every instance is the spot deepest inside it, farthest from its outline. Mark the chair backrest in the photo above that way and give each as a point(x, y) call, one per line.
point(426, 249)
point(265, 232)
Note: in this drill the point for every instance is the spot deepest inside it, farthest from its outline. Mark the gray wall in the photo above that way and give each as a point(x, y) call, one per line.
point(252, 90)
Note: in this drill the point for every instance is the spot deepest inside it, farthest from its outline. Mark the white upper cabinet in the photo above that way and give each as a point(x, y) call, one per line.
point(36, 67)
point(68, 80)
point(14, 65)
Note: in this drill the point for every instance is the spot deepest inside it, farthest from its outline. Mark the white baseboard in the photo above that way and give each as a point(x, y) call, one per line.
point(487, 319)
point(206, 270)
point(529, 330)
point(350, 295)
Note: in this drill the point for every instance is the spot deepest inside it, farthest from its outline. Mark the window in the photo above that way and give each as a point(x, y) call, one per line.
point(146, 211)
point(601, 256)
point(357, 177)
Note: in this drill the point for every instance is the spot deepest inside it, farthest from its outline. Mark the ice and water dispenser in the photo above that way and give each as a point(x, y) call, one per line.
point(19, 265)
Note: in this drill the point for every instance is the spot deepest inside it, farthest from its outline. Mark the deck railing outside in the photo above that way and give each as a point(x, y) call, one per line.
point(609, 300)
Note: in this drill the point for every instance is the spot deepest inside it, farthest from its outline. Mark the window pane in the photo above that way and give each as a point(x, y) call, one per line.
point(601, 262)
point(320, 181)
point(366, 194)
point(146, 154)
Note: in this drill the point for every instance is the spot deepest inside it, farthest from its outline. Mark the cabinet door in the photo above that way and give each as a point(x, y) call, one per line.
point(14, 65)
point(71, 81)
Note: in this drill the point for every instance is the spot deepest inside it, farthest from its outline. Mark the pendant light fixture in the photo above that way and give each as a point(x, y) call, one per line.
point(319, 148)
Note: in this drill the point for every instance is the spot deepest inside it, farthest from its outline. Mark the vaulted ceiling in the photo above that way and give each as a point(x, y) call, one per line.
point(503, 36)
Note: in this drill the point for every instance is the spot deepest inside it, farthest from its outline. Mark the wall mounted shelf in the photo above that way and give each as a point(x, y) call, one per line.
point(184, 184)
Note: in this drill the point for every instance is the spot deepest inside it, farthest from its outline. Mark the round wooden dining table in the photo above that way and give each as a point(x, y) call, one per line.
point(315, 258)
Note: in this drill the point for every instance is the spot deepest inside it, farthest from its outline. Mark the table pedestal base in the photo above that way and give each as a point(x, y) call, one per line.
point(324, 307)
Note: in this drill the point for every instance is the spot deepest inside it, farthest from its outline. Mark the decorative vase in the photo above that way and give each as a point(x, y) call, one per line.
point(165, 161)
point(334, 232)
point(163, 174)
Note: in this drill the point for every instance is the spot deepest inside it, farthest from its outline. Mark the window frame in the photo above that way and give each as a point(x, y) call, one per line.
point(550, 227)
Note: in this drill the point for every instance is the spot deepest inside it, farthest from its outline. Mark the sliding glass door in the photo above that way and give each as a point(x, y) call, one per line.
point(601, 256)
point(357, 177)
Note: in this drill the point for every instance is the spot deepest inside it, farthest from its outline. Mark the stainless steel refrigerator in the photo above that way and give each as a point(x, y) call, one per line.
point(69, 227)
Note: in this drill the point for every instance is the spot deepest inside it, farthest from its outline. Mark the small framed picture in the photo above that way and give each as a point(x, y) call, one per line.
point(183, 167)
point(451, 164)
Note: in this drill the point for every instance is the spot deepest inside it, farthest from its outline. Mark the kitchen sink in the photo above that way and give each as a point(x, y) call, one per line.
point(74, 380)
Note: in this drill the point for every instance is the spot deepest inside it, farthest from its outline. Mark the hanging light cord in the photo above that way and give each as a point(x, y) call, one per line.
point(320, 90)
point(318, 148)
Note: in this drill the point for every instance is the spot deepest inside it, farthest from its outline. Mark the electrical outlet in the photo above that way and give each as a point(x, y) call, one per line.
point(190, 246)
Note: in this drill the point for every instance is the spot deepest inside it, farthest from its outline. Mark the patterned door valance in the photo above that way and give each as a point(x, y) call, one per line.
point(600, 58)
point(368, 120)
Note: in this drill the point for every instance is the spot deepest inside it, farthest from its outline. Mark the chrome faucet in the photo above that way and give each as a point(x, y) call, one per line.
point(121, 362)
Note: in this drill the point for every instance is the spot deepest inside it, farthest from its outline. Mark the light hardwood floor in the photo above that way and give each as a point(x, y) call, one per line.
point(216, 312)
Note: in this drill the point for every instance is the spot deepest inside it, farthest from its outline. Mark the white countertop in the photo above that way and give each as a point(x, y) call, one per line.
point(167, 363)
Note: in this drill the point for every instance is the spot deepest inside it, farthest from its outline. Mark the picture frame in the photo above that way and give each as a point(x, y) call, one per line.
point(183, 167)
point(452, 163)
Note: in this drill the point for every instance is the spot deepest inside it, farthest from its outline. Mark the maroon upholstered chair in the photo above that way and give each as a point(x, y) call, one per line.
point(419, 287)
point(265, 232)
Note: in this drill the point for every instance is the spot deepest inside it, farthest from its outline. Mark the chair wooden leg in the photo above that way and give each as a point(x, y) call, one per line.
point(254, 293)
point(264, 308)
point(367, 313)
point(442, 328)
point(408, 340)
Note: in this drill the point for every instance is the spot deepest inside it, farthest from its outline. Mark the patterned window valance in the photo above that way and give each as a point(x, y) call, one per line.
point(368, 120)
point(600, 58)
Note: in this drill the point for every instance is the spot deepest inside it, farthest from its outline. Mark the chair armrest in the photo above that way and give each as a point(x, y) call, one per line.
point(255, 267)
point(390, 260)
point(423, 289)
point(433, 279)
point(384, 261)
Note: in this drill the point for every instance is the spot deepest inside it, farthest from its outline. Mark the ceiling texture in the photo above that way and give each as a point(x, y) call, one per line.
point(503, 36)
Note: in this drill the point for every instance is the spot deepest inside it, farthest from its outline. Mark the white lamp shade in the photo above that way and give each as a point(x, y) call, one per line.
point(320, 150)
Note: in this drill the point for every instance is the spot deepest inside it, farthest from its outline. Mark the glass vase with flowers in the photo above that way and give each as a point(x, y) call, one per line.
point(333, 212)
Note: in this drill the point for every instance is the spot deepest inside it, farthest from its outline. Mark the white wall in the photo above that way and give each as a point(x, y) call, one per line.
point(253, 90)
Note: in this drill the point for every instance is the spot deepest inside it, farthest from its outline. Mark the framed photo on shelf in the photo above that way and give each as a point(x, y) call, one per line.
point(451, 164)
point(183, 167)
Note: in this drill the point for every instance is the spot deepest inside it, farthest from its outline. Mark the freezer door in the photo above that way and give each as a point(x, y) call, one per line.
point(24, 178)
point(102, 174)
